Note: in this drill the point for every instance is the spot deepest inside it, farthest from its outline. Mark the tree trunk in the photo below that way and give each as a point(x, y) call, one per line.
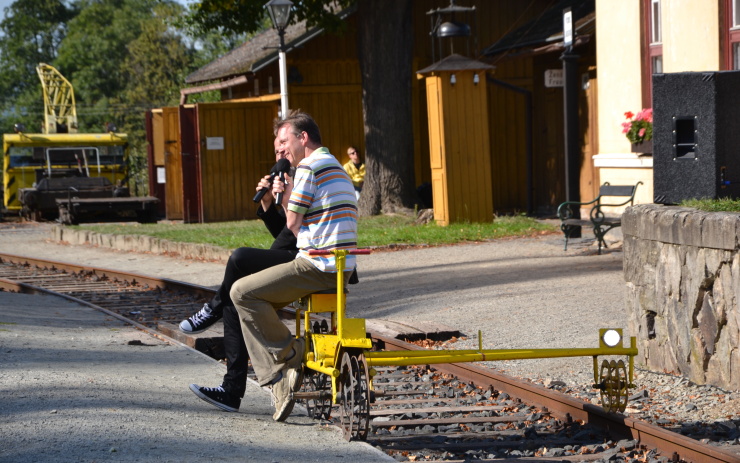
point(385, 50)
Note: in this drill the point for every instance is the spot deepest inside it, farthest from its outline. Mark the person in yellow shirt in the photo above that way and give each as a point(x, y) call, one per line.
point(355, 168)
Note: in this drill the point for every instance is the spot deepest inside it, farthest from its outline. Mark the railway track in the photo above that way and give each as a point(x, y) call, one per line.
point(450, 412)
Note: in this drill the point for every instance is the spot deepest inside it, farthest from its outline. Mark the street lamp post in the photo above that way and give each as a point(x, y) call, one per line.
point(280, 14)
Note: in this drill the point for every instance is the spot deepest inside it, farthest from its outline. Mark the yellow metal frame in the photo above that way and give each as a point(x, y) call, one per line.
point(59, 99)
point(349, 333)
point(15, 178)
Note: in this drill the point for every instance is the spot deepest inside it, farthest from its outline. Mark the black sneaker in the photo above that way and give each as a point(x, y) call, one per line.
point(217, 396)
point(200, 321)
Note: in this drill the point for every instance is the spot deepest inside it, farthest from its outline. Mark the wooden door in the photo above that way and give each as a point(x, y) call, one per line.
point(172, 164)
point(190, 159)
point(589, 185)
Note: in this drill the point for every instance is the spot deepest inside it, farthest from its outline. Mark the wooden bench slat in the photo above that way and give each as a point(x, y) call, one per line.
point(601, 224)
point(616, 190)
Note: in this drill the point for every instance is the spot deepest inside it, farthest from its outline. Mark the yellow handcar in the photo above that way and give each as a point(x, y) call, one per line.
point(338, 361)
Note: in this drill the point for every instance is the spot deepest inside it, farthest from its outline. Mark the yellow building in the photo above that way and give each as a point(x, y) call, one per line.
point(637, 38)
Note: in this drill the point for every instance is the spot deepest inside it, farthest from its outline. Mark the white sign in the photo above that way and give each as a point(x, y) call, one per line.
point(161, 175)
point(567, 27)
point(553, 78)
point(215, 143)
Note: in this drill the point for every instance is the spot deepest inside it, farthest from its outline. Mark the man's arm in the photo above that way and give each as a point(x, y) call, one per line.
point(294, 221)
point(273, 219)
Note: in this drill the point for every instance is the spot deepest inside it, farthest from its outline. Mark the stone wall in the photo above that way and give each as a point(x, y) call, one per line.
point(682, 269)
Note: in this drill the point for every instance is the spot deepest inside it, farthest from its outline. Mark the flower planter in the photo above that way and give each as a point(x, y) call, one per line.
point(644, 147)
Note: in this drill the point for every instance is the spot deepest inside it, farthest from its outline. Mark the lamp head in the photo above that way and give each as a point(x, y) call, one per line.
point(453, 29)
point(279, 12)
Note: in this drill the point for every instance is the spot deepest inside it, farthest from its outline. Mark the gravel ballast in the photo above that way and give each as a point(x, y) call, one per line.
point(520, 293)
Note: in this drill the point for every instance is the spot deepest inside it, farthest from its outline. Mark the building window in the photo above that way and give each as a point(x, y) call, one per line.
point(730, 45)
point(653, 47)
point(655, 31)
point(734, 35)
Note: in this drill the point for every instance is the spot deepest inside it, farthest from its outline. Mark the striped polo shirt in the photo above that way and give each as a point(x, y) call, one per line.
point(323, 193)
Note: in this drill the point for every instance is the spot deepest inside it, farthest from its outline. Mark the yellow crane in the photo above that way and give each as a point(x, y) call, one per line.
point(60, 113)
point(65, 175)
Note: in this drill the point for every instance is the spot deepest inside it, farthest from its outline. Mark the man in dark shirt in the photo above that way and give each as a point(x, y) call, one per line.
point(241, 263)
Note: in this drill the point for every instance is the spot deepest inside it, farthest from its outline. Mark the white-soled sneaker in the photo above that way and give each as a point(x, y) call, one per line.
point(200, 321)
point(217, 396)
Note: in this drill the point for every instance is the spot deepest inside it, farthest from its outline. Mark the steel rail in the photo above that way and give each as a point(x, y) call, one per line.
point(25, 288)
point(565, 407)
point(154, 282)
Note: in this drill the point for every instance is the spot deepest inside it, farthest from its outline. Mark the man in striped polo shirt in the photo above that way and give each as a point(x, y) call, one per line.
point(321, 210)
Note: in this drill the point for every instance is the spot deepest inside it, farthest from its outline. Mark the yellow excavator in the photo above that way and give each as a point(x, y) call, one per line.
point(66, 175)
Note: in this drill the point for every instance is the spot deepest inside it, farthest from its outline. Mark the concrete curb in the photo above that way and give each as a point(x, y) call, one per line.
point(140, 243)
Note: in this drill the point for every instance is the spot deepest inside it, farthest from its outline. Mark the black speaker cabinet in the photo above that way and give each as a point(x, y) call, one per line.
point(696, 136)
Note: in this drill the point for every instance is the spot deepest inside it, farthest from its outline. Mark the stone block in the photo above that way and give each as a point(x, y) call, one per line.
point(734, 382)
point(665, 227)
point(719, 230)
point(678, 230)
point(157, 247)
point(668, 272)
point(646, 228)
point(707, 325)
point(121, 242)
point(57, 233)
point(694, 367)
point(81, 237)
point(690, 231)
point(719, 366)
point(630, 220)
point(106, 240)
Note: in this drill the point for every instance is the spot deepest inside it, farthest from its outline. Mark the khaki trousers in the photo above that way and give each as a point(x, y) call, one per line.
point(258, 296)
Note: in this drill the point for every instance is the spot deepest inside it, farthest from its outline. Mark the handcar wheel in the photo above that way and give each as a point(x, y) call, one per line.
point(313, 381)
point(354, 397)
point(622, 394)
point(613, 384)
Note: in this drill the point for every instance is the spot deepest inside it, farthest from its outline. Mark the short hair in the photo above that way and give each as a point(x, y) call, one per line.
point(299, 121)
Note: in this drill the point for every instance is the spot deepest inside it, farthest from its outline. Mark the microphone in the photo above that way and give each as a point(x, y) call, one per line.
point(280, 167)
point(279, 196)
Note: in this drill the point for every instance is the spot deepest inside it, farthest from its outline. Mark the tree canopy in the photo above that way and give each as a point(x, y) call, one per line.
point(123, 57)
point(385, 53)
point(31, 33)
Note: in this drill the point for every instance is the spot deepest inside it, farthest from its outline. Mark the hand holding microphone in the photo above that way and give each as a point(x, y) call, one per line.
point(280, 168)
point(279, 196)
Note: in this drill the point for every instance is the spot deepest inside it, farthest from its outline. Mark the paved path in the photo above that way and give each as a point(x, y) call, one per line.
point(78, 385)
point(519, 293)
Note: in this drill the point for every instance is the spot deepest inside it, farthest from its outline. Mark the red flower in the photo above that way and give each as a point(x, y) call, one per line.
point(638, 128)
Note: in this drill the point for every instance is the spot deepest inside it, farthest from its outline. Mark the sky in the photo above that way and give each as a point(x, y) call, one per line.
point(4, 3)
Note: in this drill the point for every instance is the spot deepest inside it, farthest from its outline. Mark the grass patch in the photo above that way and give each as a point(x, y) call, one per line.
point(382, 230)
point(713, 205)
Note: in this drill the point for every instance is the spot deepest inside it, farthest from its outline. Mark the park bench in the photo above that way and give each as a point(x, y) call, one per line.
point(569, 212)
